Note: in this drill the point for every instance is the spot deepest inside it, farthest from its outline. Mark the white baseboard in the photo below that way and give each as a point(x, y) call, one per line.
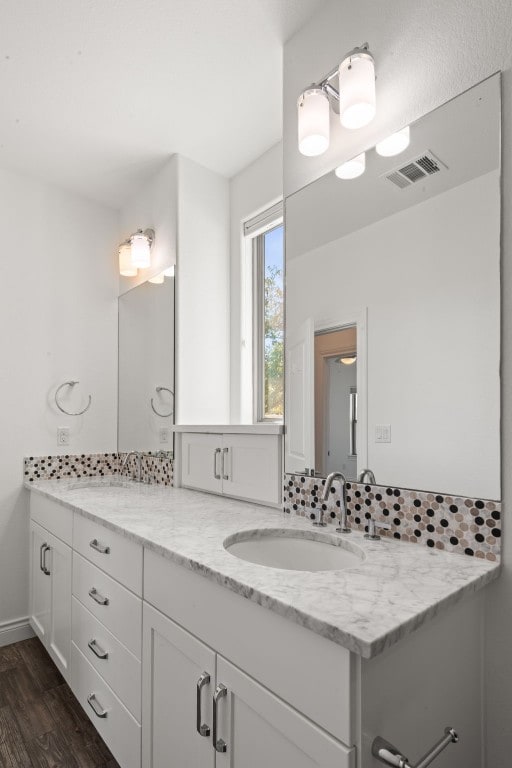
point(15, 630)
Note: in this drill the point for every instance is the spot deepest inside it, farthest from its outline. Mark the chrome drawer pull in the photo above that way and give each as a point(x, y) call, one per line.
point(41, 555)
point(219, 744)
point(216, 452)
point(225, 455)
point(46, 570)
point(96, 706)
point(95, 648)
point(202, 728)
point(101, 548)
point(97, 597)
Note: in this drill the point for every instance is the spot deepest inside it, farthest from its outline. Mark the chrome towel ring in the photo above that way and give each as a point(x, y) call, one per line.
point(59, 406)
point(162, 389)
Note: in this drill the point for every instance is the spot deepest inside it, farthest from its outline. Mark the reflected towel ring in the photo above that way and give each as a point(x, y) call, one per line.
point(59, 406)
point(163, 415)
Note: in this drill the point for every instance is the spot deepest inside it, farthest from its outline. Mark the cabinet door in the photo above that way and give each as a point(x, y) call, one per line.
point(201, 458)
point(174, 666)
point(251, 467)
point(259, 729)
point(58, 562)
point(40, 582)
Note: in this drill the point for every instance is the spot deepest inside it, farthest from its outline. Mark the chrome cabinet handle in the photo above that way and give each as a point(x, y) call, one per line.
point(225, 454)
point(96, 706)
point(97, 597)
point(202, 728)
point(41, 555)
point(215, 454)
point(97, 650)
point(46, 570)
point(219, 744)
point(101, 548)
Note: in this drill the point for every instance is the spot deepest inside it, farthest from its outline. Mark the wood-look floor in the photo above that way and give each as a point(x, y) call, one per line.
point(42, 725)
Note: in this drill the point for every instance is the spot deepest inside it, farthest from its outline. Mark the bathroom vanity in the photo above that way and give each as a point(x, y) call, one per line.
point(176, 647)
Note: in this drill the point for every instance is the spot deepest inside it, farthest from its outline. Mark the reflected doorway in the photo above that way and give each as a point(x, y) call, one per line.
point(336, 401)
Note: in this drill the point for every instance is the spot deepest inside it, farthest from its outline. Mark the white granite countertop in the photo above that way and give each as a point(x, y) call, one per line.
point(366, 608)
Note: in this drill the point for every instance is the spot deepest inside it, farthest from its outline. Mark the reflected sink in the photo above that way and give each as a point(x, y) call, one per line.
point(294, 550)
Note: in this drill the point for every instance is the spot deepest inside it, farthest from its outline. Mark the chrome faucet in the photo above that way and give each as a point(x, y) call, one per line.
point(366, 476)
point(138, 456)
point(343, 498)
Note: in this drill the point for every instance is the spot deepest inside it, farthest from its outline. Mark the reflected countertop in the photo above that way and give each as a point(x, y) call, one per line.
point(366, 608)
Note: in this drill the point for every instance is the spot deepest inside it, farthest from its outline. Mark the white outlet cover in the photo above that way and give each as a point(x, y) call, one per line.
point(63, 436)
point(164, 435)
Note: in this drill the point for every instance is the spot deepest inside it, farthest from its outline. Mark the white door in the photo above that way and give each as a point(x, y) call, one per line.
point(177, 687)
point(251, 467)
point(58, 562)
point(201, 460)
point(300, 400)
point(258, 730)
point(40, 582)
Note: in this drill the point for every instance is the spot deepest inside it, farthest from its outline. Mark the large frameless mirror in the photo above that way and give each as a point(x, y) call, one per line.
point(393, 310)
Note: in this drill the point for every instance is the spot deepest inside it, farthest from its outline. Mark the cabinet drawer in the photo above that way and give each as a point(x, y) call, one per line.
point(113, 553)
point(115, 606)
point(114, 723)
point(52, 516)
point(116, 665)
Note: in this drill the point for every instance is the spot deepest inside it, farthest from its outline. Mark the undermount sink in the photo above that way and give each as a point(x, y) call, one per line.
point(294, 550)
point(102, 485)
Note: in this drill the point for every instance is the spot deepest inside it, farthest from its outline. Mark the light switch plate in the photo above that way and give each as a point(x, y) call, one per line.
point(383, 433)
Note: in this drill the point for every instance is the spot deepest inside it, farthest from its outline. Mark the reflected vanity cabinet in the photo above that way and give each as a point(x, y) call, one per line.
point(244, 462)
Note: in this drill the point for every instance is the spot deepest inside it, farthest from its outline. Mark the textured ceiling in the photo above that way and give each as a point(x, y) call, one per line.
point(96, 94)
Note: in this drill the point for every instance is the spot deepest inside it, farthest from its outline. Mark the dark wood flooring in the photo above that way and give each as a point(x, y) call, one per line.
point(42, 725)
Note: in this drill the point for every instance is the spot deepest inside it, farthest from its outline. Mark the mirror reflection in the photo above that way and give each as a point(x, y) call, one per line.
point(146, 367)
point(405, 258)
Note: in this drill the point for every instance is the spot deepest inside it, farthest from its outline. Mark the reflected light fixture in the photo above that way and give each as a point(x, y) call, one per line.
point(157, 279)
point(395, 143)
point(169, 272)
point(352, 168)
point(126, 267)
point(347, 359)
point(355, 98)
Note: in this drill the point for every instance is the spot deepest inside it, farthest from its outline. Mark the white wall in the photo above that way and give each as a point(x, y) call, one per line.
point(202, 296)
point(433, 333)
point(426, 54)
point(252, 190)
point(58, 315)
point(154, 206)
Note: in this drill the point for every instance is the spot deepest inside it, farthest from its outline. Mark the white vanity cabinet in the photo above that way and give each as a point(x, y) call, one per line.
point(50, 580)
point(245, 463)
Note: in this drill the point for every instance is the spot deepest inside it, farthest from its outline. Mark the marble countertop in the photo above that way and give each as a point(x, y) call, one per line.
point(365, 608)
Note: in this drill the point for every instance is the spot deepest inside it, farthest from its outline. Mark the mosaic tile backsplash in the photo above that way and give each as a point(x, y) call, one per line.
point(452, 523)
point(157, 470)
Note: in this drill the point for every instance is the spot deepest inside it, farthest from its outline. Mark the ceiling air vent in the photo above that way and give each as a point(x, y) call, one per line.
point(427, 164)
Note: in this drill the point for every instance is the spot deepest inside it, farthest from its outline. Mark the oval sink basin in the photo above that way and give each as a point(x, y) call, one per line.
point(294, 550)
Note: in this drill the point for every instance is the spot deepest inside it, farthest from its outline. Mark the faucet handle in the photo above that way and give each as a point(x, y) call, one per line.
point(372, 529)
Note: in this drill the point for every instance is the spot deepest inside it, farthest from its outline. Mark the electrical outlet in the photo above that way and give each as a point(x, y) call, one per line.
point(383, 433)
point(164, 435)
point(63, 436)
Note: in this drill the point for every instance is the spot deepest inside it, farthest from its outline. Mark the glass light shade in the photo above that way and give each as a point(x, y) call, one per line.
point(395, 143)
point(157, 279)
point(352, 168)
point(141, 256)
point(357, 90)
point(348, 359)
point(126, 267)
point(313, 122)
point(169, 272)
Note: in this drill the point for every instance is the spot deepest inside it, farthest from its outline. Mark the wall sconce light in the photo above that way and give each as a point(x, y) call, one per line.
point(355, 99)
point(169, 272)
point(157, 279)
point(135, 252)
point(352, 168)
point(395, 143)
point(347, 359)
